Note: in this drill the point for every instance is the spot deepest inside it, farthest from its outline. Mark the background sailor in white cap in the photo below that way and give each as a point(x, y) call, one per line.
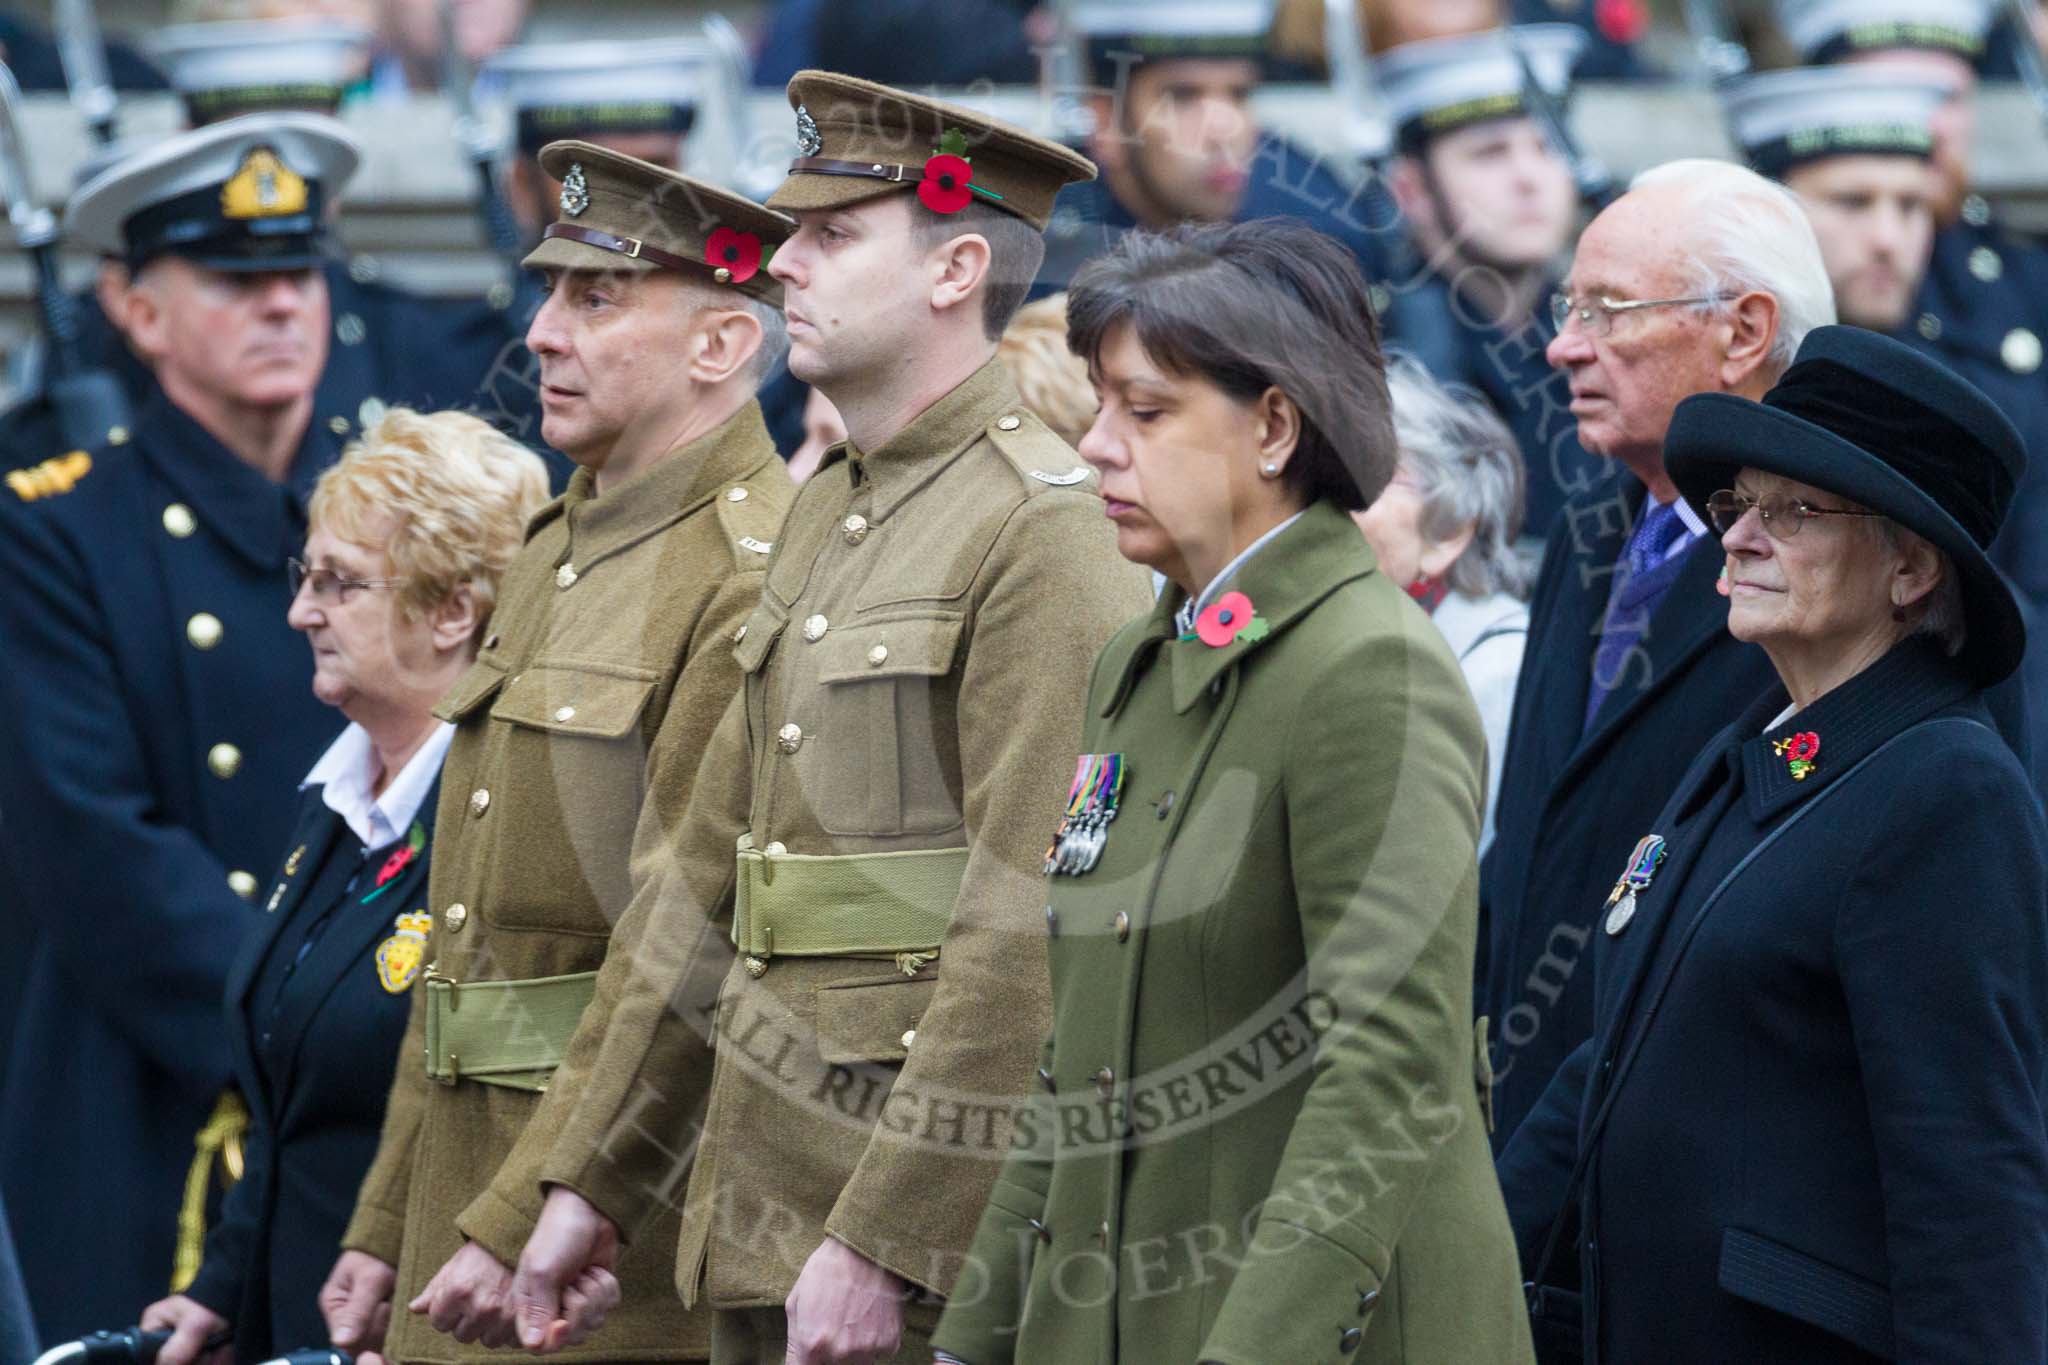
point(1491, 208)
point(1169, 108)
point(156, 699)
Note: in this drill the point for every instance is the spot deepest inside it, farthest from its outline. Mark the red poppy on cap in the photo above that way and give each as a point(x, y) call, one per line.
point(944, 188)
point(732, 250)
point(1621, 21)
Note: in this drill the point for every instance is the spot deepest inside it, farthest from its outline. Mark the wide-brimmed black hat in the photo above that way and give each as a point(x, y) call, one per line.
point(1876, 422)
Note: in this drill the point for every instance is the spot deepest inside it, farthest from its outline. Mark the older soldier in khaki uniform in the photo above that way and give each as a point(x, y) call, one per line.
point(915, 674)
point(585, 715)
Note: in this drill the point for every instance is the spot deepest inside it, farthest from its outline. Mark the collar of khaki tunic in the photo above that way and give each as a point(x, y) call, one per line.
point(655, 499)
point(919, 453)
point(1304, 563)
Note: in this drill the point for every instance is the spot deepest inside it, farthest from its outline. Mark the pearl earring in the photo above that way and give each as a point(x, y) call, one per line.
point(1270, 468)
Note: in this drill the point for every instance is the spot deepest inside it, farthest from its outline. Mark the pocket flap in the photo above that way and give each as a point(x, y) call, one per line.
point(478, 684)
point(1776, 1276)
point(578, 700)
point(911, 647)
point(867, 1020)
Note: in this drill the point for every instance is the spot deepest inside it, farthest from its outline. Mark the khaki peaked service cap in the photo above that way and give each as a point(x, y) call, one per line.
point(621, 213)
point(857, 141)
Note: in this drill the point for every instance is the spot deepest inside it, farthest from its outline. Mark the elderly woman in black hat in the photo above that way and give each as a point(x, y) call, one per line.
point(1808, 1127)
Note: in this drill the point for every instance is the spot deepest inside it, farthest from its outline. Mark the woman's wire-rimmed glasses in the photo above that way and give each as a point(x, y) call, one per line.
point(1782, 513)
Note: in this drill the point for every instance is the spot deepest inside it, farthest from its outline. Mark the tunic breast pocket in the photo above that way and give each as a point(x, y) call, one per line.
point(575, 760)
point(889, 727)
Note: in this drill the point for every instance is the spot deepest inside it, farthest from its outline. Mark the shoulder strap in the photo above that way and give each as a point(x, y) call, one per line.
point(1599, 1120)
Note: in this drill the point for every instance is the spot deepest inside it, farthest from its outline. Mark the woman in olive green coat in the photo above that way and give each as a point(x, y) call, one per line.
point(1259, 1138)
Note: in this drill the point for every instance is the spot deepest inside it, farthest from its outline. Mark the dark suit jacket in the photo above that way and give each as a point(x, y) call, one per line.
point(1824, 1083)
point(118, 837)
point(315, 1089)
point(1570, 808)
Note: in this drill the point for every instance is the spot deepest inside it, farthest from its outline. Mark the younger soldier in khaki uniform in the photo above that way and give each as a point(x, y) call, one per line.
point(915, 674)
point(585, 714)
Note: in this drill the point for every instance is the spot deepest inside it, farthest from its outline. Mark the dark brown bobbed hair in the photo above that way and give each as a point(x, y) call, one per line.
point(1251, 306)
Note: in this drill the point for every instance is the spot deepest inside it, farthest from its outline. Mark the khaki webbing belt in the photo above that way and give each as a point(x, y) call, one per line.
point(850, 905)
point(509, 1033)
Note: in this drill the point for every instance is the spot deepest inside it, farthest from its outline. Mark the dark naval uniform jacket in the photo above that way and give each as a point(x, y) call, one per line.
point(1285, 182)
point(157, 713)
point(316, 1006)
point(1571, 799)
point(1810, 1109)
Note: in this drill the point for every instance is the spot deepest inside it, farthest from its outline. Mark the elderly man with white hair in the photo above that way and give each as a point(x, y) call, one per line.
point(1703, 278)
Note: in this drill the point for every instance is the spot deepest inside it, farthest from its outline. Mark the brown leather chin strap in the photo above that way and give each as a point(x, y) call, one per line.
point(870, 170)
point(624, 246)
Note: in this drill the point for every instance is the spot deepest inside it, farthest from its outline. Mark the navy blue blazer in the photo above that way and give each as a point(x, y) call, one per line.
point(1821, 1059)
point(1571, 805)
point(154, 711)
point(315, 1081)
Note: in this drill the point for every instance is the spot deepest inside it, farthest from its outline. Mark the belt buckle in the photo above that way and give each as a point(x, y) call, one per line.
point(633, 247)
point(435, 974)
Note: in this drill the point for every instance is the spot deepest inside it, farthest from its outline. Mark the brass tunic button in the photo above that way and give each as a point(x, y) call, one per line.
point(479, 801)
point(909, 1037)
point(1123, 927)
point(1105, 1082)
point(856, 528)
point(739, 635)
point(224, 761)
point(243, 884)
point(775, 848)
point(735, 495)
point(204, 630)
point(455, 916)
point(789, 737)
point(878, 656)
point(1366, 1299)
point(179, 521)
point(1348, 1342)
point(492, 642)
point(815, 628)
point(1009, 423)
point(565, 577)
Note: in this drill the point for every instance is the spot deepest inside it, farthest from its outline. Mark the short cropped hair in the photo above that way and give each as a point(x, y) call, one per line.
point(1270, 303)
point(1051, 379)
point(1016, 250)
point(451, 495)
point(1468, 472)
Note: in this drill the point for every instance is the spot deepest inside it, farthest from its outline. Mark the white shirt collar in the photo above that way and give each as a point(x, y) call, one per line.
point(346, 771)
point(1694, 529)
point(1192, 608)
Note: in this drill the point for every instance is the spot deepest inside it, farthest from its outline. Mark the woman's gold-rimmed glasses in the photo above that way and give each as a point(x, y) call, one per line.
point(1782, 513)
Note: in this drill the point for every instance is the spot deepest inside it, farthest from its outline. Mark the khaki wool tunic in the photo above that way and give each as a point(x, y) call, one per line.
point(606, 668)
point(915, 673)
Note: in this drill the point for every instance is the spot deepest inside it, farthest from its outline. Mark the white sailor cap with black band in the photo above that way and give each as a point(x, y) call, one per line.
point(1438, 85)
point(582, 90)
point(1829, 30)
point(1116, 35)
point(235, 67)
point(1783, 119)
point(248, 193)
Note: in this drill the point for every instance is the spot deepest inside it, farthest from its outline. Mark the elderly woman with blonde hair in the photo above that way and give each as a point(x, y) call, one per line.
point(408, 536)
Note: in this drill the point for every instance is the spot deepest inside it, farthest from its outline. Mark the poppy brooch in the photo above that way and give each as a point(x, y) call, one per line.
point(734, 256)
point(402, 857)
point(948, 185)
point(1229, 618)
point(1798, 751)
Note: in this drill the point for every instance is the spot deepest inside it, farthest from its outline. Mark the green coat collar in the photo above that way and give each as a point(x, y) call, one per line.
point(1299, 568)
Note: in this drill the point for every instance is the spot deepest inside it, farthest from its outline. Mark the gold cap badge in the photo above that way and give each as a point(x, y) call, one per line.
point(264, 187)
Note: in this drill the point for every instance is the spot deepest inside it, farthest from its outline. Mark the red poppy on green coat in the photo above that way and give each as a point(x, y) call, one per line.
point(944, 187)
point(1222, 619)
point(733, 250)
